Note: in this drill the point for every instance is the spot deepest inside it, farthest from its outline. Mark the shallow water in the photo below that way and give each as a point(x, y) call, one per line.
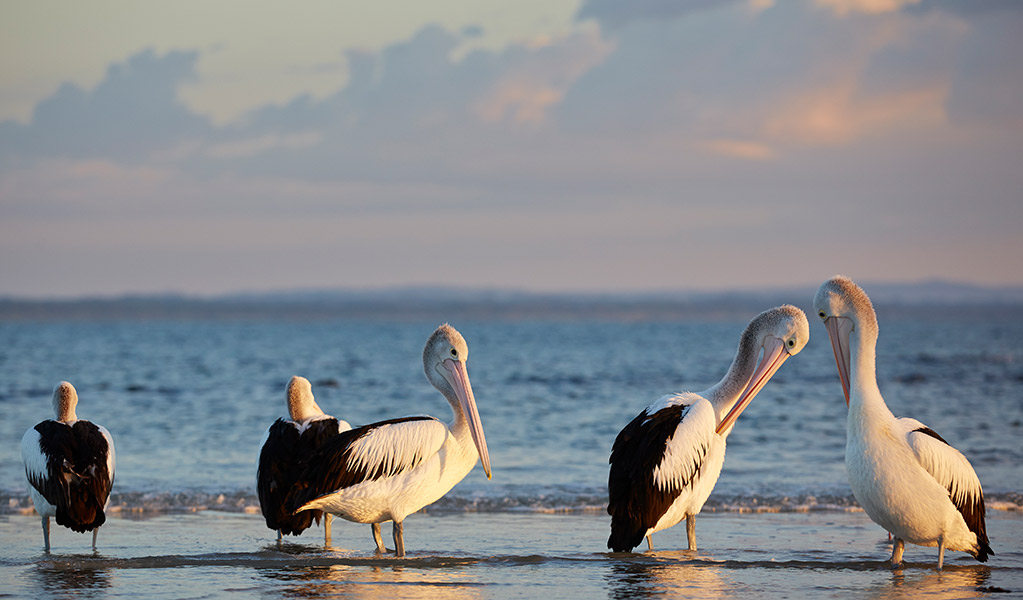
point(188, 401)
point(500, 555)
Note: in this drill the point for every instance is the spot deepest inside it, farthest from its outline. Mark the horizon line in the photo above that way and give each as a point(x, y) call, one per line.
point(460, 290)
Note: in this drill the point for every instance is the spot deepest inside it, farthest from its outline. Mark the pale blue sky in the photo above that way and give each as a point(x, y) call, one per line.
point(210, 147)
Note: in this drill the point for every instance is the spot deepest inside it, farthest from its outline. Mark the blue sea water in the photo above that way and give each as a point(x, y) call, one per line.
point(188, 401)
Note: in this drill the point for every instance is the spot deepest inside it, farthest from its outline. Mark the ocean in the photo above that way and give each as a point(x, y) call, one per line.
point(188, 400)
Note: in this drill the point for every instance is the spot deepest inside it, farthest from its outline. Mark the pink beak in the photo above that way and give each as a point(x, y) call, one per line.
point(839, 329)
point(455, 373)
point(774, 356)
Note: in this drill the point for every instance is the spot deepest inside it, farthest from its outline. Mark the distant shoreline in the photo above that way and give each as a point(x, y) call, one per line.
point(924, 301)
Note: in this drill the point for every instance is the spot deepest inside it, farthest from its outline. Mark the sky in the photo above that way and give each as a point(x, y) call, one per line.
point(210, 147)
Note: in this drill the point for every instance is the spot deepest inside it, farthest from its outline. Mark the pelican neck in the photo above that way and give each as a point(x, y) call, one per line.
point(725, 393)
point(864, 394)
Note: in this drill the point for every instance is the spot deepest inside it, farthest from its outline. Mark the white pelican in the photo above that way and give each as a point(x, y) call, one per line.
point(905, 476)
point(70, 467)
point(285, 447)
point(664, 464)
point(388, 470)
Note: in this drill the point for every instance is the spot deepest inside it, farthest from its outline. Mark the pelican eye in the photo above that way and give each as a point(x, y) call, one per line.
point(454, 353)
point(821, 313)
point(792, 343)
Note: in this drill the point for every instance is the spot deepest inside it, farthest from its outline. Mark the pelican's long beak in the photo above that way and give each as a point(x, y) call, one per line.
point(839, 329)
point(458, 378)
point(774, 355)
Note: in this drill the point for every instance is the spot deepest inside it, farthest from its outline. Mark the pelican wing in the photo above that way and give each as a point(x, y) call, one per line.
point(685, 449)
point(276, 473)
point(37, 467)
point(655, 458)
point(366, 453)
point(72, 467)
point(285, 450)
point(953, 472)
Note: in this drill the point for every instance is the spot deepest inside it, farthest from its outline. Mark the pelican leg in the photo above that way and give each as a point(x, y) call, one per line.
point(378, 539)
point(94, 532)
point(897, 549)
point(941, 552)
point(46, 534)
point(691, 531)
point(327, 518)
point(399, 539)
point(650, 542)
point(280, 538)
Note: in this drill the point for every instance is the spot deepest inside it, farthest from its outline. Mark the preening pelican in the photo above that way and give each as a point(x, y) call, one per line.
point(664, 464)
point(70, 467)
point(282, 456)
point(905, 476)
point(388, 470)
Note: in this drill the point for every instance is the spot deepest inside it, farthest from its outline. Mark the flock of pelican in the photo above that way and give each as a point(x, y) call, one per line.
point(663, 464)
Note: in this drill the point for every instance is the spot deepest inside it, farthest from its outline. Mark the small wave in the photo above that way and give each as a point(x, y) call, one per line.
point(586, 501)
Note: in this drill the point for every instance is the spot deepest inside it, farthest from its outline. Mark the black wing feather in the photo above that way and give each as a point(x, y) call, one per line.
point(635, 503)
point(77, 479)
point(281, 460)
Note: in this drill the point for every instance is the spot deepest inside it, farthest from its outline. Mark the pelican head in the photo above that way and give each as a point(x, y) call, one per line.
point(444, 362)
point(65, 399)
point(780, 332)
point(301, 403)
point(845, 308)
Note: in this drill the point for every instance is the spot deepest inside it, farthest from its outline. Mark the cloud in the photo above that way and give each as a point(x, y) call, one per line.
point(967, 8)
point(613, 15)
point(133, 111)
point(259, 145)
point(722, 81)
point(650, 129)
point(527, 90)
point(741, 149)
point(870, 7)
point(987, 85)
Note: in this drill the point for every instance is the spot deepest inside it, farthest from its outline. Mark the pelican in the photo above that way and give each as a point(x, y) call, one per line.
point(664, 464)
point(285, 447)
point(388, 470)
point(906, 477)
point(70, 467)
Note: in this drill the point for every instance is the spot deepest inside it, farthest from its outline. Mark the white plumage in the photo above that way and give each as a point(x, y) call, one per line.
point(397, 447)
point(692, 463)
point(907, 478)
point(692, 447)
point(388, 470)
point(665, 463)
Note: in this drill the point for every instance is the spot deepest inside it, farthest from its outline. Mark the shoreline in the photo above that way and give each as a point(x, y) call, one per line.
point(498, 555)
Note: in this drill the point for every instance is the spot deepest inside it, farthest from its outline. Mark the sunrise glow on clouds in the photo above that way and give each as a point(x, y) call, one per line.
point(553, 149)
